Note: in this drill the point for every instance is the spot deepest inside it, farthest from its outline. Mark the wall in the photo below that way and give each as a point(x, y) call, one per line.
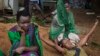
point(1, 4)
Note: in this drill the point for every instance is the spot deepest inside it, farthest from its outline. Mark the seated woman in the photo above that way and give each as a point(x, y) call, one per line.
point(24, 37)
point(63, 34)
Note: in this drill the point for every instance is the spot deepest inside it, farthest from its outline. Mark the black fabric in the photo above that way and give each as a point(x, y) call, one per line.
point(77, 53)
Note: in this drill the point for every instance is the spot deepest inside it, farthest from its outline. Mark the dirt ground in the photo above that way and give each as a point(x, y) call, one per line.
point(83, 23)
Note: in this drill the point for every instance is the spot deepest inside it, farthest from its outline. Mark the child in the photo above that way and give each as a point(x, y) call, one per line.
point(24, 37)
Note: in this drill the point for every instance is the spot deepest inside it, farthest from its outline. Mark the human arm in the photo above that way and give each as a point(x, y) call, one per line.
point(84, 40)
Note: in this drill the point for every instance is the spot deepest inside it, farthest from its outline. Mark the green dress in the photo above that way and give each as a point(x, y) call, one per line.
point(62, 22)
point(32, 39)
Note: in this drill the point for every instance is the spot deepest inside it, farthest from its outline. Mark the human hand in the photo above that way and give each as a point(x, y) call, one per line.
point(60, 49)
point(20, 30)
point(19, 50)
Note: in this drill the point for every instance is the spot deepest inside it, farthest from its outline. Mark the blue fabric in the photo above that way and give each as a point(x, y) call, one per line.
point(77, 3)
point(77, 53)
point(35, 1)
point(39, 2)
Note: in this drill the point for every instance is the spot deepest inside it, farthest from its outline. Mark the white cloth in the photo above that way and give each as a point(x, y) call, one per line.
point(60, 37)
point(74, 38)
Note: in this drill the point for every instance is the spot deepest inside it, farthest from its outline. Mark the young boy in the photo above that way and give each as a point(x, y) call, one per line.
point(24, 37)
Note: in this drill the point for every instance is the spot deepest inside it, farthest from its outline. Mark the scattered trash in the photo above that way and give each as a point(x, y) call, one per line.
point(98, 16)
point(90, 13)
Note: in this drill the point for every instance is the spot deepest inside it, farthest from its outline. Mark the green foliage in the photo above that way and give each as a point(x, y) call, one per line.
point(39, 21)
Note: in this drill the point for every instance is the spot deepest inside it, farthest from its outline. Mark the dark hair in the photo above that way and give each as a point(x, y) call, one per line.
point(22, 13)
point(66, 1)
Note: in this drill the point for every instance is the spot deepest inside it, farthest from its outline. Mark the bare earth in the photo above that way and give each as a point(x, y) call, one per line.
point(84, 23)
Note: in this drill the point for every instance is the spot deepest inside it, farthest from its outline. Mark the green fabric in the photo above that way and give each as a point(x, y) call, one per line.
point(1, 53)
point(61, 12)
point(39, 41)
point(65, 21)
point(15, 37)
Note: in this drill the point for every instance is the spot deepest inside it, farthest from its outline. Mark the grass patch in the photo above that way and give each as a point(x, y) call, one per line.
point(39, 21)
point(13, 20)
